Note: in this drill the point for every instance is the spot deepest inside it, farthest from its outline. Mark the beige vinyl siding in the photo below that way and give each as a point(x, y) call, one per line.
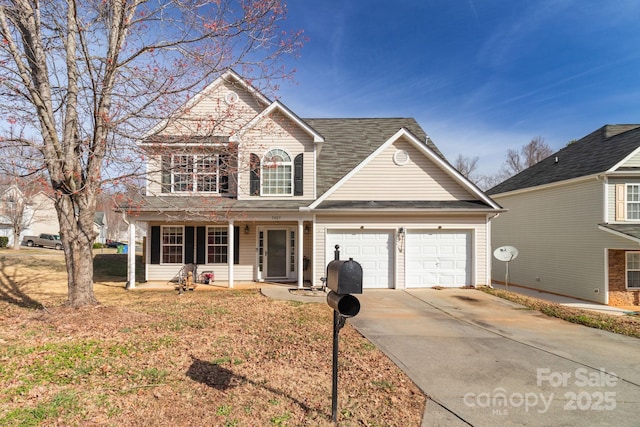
point(633, 162)
point(555, 230)
point(211, 115)
point(278, 132)
point(154, 175)
point(389, 222)
point(419, 179)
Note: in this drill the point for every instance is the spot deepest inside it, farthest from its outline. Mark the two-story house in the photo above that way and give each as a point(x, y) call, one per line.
point(242, 186)
point(575, 220)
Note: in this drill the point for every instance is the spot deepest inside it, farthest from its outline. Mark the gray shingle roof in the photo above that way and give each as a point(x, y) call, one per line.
point(349, 141)
point(595, 153)
point(399, 205)
point(631, 230)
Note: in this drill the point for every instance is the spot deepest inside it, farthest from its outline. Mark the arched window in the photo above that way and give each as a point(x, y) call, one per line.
point(277, 173)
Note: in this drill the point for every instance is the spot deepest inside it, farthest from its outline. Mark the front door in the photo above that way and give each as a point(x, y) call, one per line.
point(277, 253)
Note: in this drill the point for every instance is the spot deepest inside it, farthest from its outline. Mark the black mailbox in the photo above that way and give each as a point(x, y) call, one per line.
point(344, 277)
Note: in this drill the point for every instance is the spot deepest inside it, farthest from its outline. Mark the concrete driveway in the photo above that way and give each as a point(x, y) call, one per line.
point(484, 361)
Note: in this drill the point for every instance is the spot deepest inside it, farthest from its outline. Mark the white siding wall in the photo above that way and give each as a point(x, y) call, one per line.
point(419, 179)
point(555, 230)
point(475, 223)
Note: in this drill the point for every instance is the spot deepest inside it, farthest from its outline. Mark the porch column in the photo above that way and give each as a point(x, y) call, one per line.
point(300, 255)
point(230, 254)
point(131, 256)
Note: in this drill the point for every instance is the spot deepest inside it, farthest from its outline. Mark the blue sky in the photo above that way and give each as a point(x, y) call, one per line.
point(479, 76)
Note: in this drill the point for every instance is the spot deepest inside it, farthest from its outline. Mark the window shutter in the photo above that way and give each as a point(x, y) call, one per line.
point(236, 245)
point(620, 196)
point(201, 245)
point(297, 175)
point(254, 189)
point(155, 244)
point(223, 168)
point(166, 174)
point(188, 245)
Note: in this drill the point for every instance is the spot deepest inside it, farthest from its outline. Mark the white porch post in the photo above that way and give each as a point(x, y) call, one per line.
point(300, 255)
point(230, 254)
point(131, 256)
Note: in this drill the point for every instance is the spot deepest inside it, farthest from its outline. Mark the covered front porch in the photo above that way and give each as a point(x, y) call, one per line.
point(236, 253)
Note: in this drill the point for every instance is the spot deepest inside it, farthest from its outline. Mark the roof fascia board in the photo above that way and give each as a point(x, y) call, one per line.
point(409, 210)
point(425, 150)
point(619, 234)
point(550, 185)
point(623, 161)
point(279, 106)
point(227, 76)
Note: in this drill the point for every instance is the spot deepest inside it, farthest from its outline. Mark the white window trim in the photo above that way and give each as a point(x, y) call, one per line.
point(627, 202)
point(163, 245)
point(226, 231)
point(626, 271)
point(290, 163)
point(194, 174)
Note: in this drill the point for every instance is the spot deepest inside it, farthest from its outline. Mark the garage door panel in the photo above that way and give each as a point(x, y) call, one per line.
point(371, 249)
point(438, 258)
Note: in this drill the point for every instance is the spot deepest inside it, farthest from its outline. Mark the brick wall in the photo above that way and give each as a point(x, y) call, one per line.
point(618, 293)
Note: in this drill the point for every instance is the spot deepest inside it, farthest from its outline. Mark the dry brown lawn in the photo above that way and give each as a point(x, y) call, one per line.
point(152, 358)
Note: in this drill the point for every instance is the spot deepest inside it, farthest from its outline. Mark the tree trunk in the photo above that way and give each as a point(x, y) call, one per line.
point(77, 236)
point(16, 241)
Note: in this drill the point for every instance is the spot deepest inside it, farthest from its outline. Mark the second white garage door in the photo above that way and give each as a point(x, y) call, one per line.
point(438, 258)
point(372, 249)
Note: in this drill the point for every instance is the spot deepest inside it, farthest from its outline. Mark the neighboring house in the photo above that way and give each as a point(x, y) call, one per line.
point(44, 217)
point(575, 220)
point(242, 186)
point(100, 227)
point(11, 198)
point(38, 214)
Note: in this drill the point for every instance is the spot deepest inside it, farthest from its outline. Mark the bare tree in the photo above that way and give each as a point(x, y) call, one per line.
point(466, 165)
point(528, 155)
point(80, 80)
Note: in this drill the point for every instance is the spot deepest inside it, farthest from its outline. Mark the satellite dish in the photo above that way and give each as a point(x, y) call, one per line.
point(505, 253)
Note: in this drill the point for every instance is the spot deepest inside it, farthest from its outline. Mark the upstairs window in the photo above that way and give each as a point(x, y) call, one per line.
point(633, 201)
point(277, 174)
point(201, 173)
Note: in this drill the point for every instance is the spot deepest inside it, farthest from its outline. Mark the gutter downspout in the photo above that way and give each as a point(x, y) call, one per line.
point(489, 252)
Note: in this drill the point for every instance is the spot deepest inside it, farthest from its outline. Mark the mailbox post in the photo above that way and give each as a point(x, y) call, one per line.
point(343, 279)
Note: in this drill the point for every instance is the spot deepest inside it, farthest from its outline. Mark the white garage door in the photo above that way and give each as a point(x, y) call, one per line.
point(372, 249)
point(438, 258)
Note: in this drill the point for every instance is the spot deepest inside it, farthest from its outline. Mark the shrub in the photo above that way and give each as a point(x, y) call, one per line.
point(4, 241)
point(98, 246)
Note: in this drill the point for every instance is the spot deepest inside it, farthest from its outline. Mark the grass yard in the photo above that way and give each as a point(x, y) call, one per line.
point(625, 325)
point(152, 358)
